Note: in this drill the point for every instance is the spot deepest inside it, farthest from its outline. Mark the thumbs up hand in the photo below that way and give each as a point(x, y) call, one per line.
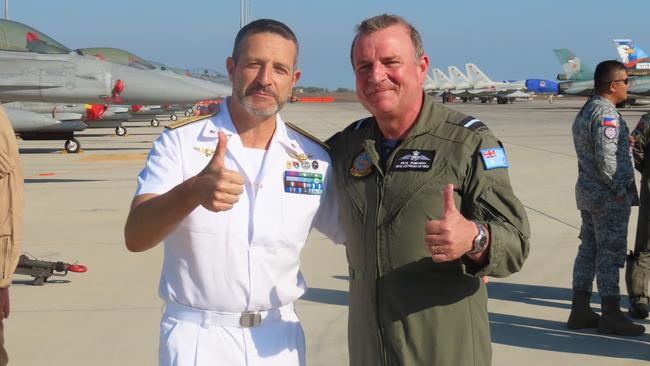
point(451, 236)
point(217, 188)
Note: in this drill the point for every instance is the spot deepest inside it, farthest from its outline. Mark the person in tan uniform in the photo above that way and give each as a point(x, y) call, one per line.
point(11, 208)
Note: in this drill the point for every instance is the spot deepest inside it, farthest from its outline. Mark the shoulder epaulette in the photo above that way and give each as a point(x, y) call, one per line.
point(471, 123)
point(357, 125)
point(307, 135)
point(187, 121)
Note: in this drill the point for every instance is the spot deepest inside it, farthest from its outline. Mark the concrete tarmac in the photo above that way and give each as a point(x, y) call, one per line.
point(76, 206)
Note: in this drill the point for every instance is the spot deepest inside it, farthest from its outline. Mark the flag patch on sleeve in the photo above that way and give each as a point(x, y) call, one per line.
point(494, 158)
point(610, 122)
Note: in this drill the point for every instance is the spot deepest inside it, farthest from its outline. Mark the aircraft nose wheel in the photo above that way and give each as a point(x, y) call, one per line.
point(173, 117)
point(72, 145)
point(120, 131)
point(155, 122)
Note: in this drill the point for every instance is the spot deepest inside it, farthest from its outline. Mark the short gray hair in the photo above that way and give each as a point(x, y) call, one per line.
point(383, 21)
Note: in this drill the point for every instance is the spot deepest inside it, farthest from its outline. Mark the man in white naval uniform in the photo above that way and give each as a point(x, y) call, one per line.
point(234, 197)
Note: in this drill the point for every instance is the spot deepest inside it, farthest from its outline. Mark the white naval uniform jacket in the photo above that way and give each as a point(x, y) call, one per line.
point(246, 258)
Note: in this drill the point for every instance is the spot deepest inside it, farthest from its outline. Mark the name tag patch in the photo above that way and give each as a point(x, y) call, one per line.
point(303, 182)
point(494, 158)
point(413, 160)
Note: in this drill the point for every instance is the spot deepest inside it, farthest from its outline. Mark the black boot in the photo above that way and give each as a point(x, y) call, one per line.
point(582, 316)
point(638, 310)
point(637, 275)
point(613, 321)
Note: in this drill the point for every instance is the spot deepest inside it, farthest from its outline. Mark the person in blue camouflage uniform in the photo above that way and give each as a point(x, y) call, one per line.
point(605, 192)
point(637, 269)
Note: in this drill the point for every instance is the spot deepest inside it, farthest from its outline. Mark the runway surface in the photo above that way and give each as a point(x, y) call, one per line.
point(76, 205)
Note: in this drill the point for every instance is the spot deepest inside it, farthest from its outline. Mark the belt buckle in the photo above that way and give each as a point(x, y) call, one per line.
point(250, 319)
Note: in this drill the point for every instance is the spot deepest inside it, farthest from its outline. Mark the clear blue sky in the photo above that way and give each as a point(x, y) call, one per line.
point(508, 39)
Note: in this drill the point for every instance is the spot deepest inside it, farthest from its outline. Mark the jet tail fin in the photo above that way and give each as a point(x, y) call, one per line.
point(457, 76)
point(476, 75)
point(632, 55)
point(440, 78)
point(573, 67)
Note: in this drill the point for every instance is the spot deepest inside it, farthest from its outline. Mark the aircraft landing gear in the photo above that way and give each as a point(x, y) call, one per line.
point(155, 122)
point(72, 145)
point(173, 117)
point(120, 131)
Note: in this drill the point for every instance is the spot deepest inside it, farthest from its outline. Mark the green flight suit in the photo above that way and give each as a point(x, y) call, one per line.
point(406, 309)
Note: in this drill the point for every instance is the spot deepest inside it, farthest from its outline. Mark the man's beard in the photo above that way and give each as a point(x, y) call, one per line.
point(246, 100)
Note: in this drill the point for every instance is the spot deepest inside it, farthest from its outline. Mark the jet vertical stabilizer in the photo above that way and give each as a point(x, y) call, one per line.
point(632, 55)
point(458, 78)
point(478, 77)
point(430, 85)
point(573, 67)
point(442, 80)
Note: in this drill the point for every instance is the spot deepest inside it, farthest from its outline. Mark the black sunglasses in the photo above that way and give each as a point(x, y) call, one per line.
point(624, 81)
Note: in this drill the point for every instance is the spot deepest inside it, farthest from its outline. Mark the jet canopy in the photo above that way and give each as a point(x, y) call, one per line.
point(117, 56)
point(209, 74)
point(19, 37)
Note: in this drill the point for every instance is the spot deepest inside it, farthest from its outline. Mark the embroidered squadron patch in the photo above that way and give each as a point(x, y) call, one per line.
point(611, 132)
point(361, 166)
point(414, 160)
point(494, 158)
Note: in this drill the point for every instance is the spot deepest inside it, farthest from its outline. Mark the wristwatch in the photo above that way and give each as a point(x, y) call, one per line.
point(481, 239)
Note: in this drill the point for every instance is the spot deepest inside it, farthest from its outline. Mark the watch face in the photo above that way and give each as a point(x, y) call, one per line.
point(480, 241)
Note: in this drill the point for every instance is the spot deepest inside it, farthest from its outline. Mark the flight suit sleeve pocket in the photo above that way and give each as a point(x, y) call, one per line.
point(509, 230)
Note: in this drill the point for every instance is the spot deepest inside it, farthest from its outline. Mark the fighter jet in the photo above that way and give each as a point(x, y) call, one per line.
point(429, 85)
point(638, 64)
point(484, 87)
point(37, 68)
point(122, 57)
point(442, 80)
point(578, 78)
point(634, 58)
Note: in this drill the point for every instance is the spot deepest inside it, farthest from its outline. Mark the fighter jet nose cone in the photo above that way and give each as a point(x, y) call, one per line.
point(154, 87)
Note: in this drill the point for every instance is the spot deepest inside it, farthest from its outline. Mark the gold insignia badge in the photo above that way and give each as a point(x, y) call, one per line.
point(205, 151)
point(361, 166)
point(299, 156)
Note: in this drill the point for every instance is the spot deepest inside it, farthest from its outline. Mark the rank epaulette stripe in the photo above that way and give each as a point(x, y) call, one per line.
point(472, 124)
point(187, 121)
point(308, 135)
point(466, 125)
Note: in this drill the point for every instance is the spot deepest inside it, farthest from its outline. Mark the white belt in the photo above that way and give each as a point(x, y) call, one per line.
point(207, 318)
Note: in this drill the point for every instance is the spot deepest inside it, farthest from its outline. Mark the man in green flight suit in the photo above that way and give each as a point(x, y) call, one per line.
point(427, 208)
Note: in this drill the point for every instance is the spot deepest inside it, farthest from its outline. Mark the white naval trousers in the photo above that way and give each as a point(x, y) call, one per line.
point(278, 341)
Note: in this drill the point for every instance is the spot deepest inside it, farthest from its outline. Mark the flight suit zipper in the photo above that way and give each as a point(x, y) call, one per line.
point(380, 194)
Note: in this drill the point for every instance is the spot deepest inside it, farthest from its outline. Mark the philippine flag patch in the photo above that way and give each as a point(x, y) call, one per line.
point(610, 122)
point(494, 158)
